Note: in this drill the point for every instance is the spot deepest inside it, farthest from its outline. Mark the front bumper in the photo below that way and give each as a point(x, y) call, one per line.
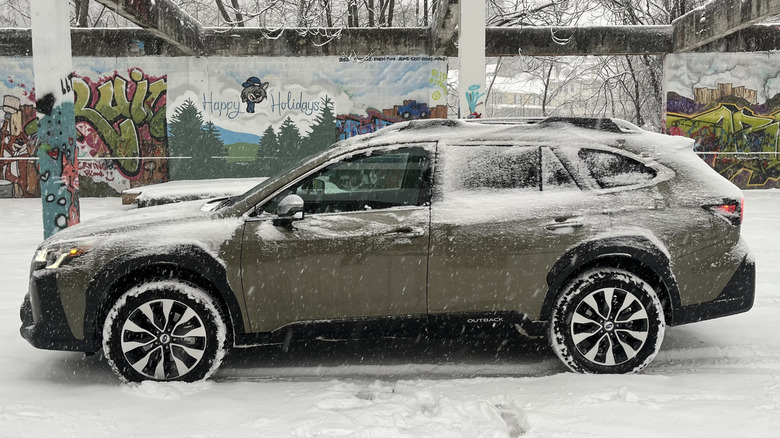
point(736, 297)
point(44, 324)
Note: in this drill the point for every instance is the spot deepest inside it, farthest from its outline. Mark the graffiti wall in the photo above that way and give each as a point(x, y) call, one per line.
point(143, 121)
point(730, 104)
point(18, 132)
point(258, 114)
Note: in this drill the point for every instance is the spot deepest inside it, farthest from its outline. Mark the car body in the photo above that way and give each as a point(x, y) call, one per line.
point(592, 232)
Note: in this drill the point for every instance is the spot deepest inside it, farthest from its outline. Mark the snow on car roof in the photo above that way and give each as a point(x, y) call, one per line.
point(563, 131)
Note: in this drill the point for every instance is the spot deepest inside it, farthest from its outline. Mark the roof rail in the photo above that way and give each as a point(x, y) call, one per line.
point(596, 123)
point(507, 120)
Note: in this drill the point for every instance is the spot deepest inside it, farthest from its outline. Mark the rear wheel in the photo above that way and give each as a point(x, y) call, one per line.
point(164, 330)
point(607, 321)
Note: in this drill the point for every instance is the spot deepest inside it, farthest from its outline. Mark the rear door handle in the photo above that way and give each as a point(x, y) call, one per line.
point(405, 233)
point(569, 223)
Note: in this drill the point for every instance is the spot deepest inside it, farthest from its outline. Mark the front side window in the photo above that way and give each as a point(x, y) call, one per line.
point(365, 182)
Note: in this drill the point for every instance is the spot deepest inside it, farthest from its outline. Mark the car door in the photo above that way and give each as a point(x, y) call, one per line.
point(360, 251)
point(502, 215)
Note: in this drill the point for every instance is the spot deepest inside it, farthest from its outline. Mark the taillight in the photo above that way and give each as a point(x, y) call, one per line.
point(730, 210)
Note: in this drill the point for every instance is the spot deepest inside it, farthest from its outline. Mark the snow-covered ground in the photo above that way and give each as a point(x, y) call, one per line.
point(718, 378)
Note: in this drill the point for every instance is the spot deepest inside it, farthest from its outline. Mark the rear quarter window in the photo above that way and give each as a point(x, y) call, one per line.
point(610, 169)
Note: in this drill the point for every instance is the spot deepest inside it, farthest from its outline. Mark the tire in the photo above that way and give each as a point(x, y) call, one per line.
point(607, 321)
point(166, 331)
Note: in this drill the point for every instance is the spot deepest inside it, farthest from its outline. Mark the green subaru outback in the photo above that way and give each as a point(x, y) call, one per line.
point(591, 232)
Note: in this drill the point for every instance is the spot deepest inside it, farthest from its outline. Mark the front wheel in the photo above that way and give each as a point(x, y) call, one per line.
point(607, 321)
point(164, 330)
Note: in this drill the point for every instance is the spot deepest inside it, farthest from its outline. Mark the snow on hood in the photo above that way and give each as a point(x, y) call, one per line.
point(133, 219)
point(150, 229)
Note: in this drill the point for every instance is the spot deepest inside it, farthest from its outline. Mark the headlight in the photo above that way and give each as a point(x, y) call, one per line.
point(55, 256)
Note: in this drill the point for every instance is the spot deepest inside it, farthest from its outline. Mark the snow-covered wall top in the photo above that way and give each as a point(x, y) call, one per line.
point(147, 120)
point(730, 103)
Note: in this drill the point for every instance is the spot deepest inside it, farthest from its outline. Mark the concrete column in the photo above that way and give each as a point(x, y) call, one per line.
point(471, 59)
point(57, 153)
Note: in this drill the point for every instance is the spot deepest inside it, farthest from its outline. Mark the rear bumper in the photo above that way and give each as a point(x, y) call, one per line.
point(736, 297)
point(44, 324)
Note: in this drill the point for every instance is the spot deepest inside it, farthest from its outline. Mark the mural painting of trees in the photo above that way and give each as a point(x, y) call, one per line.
point(290, 140)
point(198, 151)
point(289, 146)
point(213, 153)
point(200, 147)
point(323, 131)
point(268, 152)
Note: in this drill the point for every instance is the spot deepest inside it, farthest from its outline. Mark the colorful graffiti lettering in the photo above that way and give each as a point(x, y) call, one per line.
point(122, 119)
point(473, 96)
point(18, 145)
point(438, 80)
point(58, 163)
point(350, 125)
point(740, 144)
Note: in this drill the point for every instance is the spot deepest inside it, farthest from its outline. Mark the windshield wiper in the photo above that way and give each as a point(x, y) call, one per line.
point(226, 202)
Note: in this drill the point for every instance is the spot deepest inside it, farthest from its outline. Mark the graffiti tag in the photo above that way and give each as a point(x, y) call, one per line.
point(125, 115)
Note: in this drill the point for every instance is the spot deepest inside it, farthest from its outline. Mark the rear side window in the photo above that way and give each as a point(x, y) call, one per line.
point(493, 167)
point(614, 170)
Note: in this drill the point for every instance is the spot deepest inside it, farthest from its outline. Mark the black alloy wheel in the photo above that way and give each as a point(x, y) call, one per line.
point(607, 321)
point(166, 331)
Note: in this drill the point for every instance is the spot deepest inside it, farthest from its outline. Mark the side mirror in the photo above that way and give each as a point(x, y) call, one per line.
point(289, 209)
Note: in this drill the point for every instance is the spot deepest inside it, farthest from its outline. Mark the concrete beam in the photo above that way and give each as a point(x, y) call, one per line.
point(534, 41)
point(100, 42)
point(164, 19)
point(719, 19)
point(756, 38)
point(385, 41)
point(578, 41)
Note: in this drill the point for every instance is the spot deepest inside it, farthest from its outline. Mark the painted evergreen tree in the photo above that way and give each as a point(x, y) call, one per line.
point(290, 141)
point(267, 152)
point(205, 158)
point(269, 144)
point(323, 131)
point(184, 136)
point(189, 137)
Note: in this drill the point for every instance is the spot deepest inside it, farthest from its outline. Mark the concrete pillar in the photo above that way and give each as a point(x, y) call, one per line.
point(471, 59)
point(57, 153)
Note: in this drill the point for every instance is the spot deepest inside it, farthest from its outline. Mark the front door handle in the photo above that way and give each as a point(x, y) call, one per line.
point(569, 223)
point(405, 233)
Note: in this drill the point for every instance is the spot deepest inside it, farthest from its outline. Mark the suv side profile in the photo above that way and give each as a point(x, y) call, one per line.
point(591, 232)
